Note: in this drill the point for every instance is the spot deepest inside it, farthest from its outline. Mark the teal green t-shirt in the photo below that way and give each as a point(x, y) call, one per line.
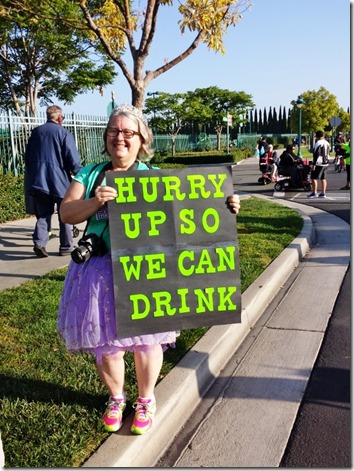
point(98, 222)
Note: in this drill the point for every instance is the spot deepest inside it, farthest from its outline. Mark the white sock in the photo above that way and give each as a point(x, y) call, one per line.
point(118, 397)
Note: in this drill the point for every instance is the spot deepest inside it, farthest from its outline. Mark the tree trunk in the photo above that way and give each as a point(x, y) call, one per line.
point(173, 139)
point(138, 96)
point(218, 137)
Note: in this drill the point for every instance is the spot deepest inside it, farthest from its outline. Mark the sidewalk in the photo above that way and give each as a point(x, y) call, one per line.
point(18, 263)
point(251, 422)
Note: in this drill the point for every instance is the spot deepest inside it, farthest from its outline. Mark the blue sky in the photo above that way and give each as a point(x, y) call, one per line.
point(280, 49)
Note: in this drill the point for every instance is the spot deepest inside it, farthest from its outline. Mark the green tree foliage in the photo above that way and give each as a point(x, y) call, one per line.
point(319, 106)
point(345, 118)
point(216, 103)
point(167, 114)
point(127, 29)
point(203, 106)
point(44, 60)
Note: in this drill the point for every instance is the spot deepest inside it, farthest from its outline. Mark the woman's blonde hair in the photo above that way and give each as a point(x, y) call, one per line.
point(129, 111)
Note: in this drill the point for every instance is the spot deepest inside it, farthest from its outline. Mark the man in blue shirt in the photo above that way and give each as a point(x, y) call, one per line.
point(51, 158)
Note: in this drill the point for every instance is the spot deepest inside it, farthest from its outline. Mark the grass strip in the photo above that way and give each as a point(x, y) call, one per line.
point(52, 401)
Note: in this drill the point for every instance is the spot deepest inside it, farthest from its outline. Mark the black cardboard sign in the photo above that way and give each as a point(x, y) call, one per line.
point(174, 250)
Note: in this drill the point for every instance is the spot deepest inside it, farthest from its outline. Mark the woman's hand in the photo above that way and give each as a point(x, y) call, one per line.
point(233, 203)
point(75, 208)
point(104, 194)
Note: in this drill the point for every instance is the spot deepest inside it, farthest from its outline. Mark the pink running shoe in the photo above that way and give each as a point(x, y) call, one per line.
point(144, 416)
point(113, 416)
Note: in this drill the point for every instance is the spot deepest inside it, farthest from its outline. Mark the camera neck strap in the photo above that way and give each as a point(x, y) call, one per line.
point(101, 175)
point(99, 178)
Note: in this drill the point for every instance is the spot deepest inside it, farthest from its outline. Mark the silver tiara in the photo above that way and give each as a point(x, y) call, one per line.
point(129, 109)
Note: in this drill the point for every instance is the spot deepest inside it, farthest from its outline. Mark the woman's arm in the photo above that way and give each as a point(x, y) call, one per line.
point(74, 209)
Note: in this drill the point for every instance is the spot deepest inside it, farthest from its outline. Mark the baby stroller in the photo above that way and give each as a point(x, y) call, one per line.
point(303, 179)
point(76, 231)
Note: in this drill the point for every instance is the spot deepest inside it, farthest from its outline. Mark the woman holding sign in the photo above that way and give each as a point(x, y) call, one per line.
point(87, 320)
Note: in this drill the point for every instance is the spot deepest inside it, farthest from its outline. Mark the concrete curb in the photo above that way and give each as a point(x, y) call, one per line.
point(181, 390)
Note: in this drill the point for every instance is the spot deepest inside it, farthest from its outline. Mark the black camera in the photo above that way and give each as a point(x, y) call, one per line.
point(90, 244)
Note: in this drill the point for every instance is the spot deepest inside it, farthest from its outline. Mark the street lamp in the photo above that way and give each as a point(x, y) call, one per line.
point(113, 98)
point(153, 94)
point(299, 103)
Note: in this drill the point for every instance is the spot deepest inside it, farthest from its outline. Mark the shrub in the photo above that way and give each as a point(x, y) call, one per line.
point(204, 157)
point(12, 198)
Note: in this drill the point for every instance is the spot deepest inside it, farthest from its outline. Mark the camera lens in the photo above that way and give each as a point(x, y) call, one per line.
point(81, 253)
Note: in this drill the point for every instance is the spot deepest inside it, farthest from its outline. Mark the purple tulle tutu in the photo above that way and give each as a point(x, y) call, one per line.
point(87, 320)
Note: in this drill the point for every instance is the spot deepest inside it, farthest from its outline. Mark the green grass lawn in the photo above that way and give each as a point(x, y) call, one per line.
point(52, 401)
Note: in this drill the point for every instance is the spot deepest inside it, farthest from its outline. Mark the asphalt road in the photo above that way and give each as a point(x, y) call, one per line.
point(316, 439)
point(321, 435)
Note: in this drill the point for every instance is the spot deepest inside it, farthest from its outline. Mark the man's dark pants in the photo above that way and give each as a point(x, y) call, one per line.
point(44, 210)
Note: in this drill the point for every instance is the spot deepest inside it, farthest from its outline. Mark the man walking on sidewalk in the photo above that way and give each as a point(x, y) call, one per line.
point(319, 165)
point(50, 159)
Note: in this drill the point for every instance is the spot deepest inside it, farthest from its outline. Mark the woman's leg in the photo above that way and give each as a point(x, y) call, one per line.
point(148, 366)
point(111, 371)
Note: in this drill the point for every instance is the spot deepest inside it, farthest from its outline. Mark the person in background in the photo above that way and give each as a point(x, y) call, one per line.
point(346, 157)
point(51, 158)
point(272, 160)
point(287, 165)
point(338, 141)
point(262, 145)
point(88, 293)
point(256, 151)
point(338, 150)
point(320, 164)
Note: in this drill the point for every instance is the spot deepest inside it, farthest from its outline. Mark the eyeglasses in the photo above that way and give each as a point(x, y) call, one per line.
point(127, 133)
